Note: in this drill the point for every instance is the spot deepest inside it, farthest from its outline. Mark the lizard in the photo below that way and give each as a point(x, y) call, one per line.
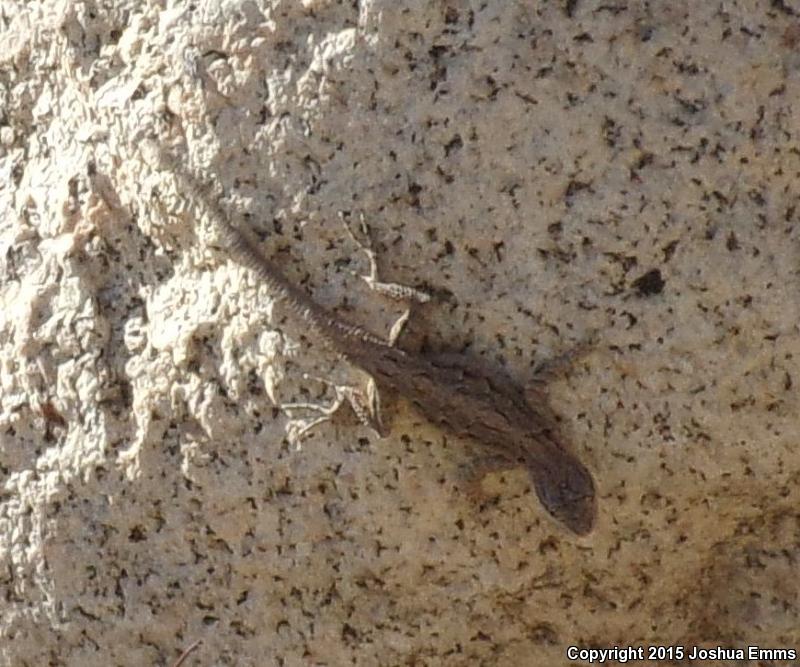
point(462, 397)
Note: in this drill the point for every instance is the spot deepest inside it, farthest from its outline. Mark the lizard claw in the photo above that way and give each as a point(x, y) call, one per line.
point(365, 404)
point(392, 290)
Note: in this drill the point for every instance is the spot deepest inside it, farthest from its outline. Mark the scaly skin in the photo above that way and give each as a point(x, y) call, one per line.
point(455, 392)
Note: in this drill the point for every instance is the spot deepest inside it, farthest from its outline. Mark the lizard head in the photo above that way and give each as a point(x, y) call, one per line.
point(566, 490)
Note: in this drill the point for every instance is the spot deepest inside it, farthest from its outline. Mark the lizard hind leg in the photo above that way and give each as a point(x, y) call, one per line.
point(298, 427)
point(394, 291)
point(365, 405)
point(397, 327)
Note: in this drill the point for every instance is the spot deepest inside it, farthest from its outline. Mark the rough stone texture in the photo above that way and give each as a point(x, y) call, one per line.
point(550, 170)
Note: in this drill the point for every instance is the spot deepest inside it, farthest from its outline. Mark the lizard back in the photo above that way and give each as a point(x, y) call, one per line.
point(460, 395)
point(465, 398)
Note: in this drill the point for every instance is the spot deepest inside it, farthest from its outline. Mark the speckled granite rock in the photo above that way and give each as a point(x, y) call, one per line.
point(551, 172)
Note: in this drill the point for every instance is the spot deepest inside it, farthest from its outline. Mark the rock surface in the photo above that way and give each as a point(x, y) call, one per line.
point(551, 171)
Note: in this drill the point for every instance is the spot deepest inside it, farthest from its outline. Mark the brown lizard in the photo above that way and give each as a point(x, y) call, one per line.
point(461, 396)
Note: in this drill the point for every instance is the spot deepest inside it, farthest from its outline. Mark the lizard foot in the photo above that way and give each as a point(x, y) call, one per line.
point(560, 365)
point(365, 404)
point(471, 476)
point(394, 291)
